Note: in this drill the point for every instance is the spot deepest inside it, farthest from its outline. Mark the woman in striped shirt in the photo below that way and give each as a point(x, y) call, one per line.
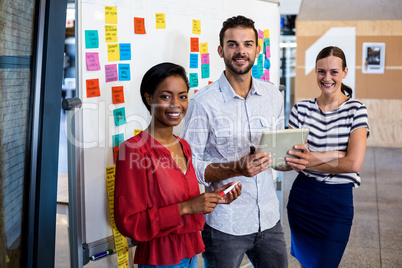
point(320, 207)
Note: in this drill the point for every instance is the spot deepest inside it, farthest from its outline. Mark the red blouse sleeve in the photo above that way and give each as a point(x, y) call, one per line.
point(134, 214)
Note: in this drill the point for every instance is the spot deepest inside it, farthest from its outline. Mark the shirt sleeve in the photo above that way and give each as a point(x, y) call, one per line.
point(135, 216)
point(360, 119)
point(293, 118)
point(195, 131)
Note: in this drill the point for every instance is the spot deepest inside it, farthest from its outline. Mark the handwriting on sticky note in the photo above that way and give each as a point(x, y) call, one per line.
point(193, 60)
point(266, 33)
point(204, 70)
point(113, 52)
point(139, 26)
point(111, 33)
point(118, 94)
point(92, 88)
point(205, 58)
point(196, 27)
point(204, 48)
point(124, 72)
point(194, 43)
point(193, 77)
point(92, 60)
point(119, 116)
point(117, 139)
point(91, 39)
point(160, 20)
point(260, 34)
point(110, 15)
point(111, 72)
point(125, 51)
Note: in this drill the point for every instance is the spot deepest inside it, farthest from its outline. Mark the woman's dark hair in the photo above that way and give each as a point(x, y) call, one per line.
point(336, 52)
point(238, 21)
point(154, 76)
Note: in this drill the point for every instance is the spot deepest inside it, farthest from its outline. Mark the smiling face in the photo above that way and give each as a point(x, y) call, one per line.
point(239, 50)
point(330, 74)
point(169, 102)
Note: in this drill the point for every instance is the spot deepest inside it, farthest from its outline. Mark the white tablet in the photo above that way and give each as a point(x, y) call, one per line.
point(278, 142)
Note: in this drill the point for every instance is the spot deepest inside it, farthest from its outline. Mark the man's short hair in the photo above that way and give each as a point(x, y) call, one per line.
point(237, 21)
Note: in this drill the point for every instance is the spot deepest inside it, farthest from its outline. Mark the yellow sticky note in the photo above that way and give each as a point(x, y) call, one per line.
point(160, 20)
point(136, 131)
point(266, 33)
point(204, 48)
point(261, 43)
point(111, 33)
point(113, 52)
point(110, 15)
point(196, 27)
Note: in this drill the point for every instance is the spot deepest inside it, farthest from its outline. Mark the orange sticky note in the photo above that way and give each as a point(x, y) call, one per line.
point(118, 94)
point(93, 88)
point(139, 26)
point(116, 152)
point(195, 46)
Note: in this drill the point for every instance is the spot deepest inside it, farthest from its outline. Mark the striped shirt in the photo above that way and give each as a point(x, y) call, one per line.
point(329, 131)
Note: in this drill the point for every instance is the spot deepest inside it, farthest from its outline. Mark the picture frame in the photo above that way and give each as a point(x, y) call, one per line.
point(373, 58)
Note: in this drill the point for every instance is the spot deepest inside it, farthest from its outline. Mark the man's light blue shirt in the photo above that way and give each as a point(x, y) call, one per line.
point(220, 126)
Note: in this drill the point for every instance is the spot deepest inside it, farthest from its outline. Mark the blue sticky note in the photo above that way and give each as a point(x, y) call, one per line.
point(204, 70)
point(125, 51)
point(267, 64)
point(117, 139)
point(255, 72)
point(193, 79)
point(91, 39)
point(261, 65)
point(124, 72)
point(119, 116)
point(193, 60)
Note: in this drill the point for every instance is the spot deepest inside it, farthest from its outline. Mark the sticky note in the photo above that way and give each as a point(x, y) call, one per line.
point(204, 48)
point(160, 20)
point(92, 60)
point(139, 26)
point(210, 82)
point(267, 42)
point(260, 64)
point(125, 51)
point(266, 33)
point(193, 60)
point(111, 72)
point(260, 44)
point(255, 73)
point(111, 33)
point(113, 52)
point(136, 131)
point(118, 94)
point(117, 139)
point(196, 27)
point(204, 70)
point(194, 44)
point(124, 72)
point(266, 75)
point(193, 79)
point(110, 15)
point(116, 152)
point(91, 39)
point(268, 52)
point(119, 116)
point(267, 64)
point(205, 58)
point(260, 34)
point(93, 88)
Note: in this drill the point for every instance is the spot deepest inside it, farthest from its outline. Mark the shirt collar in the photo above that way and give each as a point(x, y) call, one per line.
point(228, 92)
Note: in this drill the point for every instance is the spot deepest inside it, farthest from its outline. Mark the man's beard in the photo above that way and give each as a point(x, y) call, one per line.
point(231, 67)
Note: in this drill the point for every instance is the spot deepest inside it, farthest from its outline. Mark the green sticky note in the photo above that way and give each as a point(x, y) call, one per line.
point(118, 139)
point(193, 79)
point(204, 70)
point(260, 65)
point(119, 116)
point(91, 39)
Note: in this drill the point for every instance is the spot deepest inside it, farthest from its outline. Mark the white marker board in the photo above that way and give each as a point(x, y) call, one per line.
point(156, 46)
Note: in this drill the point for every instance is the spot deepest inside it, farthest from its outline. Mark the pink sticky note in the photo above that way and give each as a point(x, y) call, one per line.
point(92, 60)
point(266, 75)
point(267, 52)
point(260, 34)
point(111, 72)
point(205, 58)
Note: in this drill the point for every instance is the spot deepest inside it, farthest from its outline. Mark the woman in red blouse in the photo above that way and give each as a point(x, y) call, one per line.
point(157, 197)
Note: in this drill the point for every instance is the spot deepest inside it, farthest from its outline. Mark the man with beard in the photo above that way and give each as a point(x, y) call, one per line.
point(223, 121)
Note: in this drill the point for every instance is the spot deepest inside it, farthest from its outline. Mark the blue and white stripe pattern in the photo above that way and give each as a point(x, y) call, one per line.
point(329, 131)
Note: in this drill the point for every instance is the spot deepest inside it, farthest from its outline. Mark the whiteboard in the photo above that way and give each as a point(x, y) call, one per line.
point(156, 46)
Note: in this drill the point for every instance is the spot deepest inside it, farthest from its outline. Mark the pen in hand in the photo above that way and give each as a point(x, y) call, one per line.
point(252, 150)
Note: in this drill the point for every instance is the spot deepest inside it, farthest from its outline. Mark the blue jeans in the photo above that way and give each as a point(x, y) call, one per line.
point(265, 249)
point(184, 263)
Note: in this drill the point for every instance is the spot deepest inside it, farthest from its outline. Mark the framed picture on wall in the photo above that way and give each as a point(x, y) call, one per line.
point(373, 58)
